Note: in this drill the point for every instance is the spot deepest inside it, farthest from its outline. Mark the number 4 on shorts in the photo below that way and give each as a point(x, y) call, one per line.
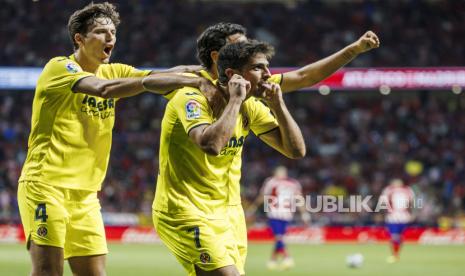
point(41, 212)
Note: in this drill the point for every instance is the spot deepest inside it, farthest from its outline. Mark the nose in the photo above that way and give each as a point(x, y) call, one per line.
point(110, 37)
point(267, 73)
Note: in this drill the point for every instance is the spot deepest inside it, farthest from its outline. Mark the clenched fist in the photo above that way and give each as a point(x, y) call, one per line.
point(238, 87)
point(366, 42)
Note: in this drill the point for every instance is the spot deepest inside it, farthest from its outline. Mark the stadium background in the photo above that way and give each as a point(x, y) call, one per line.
point(357, 139)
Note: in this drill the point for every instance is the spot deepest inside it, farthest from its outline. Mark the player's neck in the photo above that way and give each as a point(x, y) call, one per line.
point(85, 62)
point(213, 72)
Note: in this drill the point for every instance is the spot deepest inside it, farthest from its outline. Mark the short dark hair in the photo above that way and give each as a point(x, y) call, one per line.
point(81, 20)
point(236, 56)
point(213, 38)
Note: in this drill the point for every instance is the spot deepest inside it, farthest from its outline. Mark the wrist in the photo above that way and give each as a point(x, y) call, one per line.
point(354, 49)
point(274, 104)
point(235, 99)
point(197, 82)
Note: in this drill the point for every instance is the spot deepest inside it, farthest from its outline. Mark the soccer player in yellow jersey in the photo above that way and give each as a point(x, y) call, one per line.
point(69, 145)
point(208, 45)
point(200, 157)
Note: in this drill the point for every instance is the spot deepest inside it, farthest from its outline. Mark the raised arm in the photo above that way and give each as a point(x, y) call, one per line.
point(212, 138)
point(318, 71)
point(287, 138)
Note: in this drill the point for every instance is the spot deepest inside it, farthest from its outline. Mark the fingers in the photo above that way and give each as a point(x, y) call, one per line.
point(371, 39)
point(239, 80)
point(270, 91)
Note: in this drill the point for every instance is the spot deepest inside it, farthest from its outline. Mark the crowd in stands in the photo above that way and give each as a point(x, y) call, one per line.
point(162, 33)
point(356, 143)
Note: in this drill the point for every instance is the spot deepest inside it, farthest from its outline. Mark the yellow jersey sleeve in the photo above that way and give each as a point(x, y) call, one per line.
point(127, 71)
point(169, 95)
point(261, 118)
point(276, 78)
point(61, 74)
point(192, 108)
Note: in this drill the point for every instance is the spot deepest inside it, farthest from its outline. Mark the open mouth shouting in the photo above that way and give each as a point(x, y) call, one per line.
point(107, 50)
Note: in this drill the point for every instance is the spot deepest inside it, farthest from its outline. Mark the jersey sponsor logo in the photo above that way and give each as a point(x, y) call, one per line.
point(233, 146)
point(72, 67)
point(98, 108)
point(42, 231)
point(192, 110)
point(205, 257)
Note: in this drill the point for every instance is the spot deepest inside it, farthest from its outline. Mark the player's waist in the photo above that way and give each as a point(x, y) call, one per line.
point(66, 183)
point(210, 212)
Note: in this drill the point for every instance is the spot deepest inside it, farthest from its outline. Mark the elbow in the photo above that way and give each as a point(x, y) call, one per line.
point(146, 83)
point(211, 148)
point(212, 151)
point(297, 153)
point(106, 94)
point(104, 91)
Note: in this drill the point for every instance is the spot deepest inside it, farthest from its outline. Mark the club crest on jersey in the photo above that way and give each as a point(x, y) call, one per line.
point(42, 231)
point(192, 110)
point(72, 67)
point(205, 257)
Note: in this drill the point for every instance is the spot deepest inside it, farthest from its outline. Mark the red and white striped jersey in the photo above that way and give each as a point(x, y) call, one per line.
point(280, 194)
point(400, 199)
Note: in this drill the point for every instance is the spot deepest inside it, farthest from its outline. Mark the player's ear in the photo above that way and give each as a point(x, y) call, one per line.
point(229, 72)
point(214, 56)
point(79, 39)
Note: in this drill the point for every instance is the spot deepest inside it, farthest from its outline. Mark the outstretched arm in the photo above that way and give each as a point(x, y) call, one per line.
point(318, 71)
point(162, 83)
point(127, 87)
point(116, 88)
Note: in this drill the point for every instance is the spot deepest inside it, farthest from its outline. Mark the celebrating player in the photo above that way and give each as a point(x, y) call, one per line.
point(208, 45)
point(69, 145)
point(200, 157)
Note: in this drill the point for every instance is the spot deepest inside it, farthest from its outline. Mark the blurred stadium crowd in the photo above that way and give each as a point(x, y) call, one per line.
point(356, 141)
point(163, 32)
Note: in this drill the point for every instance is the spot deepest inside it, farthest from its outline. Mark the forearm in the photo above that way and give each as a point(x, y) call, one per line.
point(318, 71)
point(122, 88)
point(165, 82)
point(292, 140)
point(215, 137)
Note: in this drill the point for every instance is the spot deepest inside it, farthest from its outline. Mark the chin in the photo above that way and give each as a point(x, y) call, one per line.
point(106, 60)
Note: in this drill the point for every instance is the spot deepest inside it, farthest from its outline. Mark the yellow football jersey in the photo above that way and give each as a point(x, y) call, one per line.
point(191, 181)
point(234, 189)
point(70, 140)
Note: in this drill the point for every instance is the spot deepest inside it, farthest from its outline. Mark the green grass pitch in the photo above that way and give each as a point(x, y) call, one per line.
point(149, 259)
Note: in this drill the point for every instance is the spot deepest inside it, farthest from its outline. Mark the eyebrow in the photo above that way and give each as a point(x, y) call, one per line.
point(262, 64)
point(104, 28)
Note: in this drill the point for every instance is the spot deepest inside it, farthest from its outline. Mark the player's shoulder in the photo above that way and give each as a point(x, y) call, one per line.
point(276, 78)
point(116, 68)
point(60, 60)
point(187, 93)
point(62, 63)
